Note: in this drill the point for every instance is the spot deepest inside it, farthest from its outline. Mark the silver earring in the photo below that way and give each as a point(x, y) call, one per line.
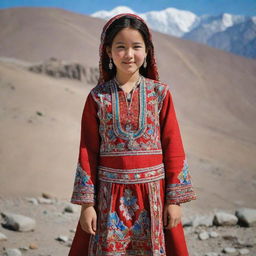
point(145, 63)
point(110, 65)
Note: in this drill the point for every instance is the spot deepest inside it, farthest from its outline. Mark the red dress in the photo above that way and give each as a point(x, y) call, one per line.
point(131, 163)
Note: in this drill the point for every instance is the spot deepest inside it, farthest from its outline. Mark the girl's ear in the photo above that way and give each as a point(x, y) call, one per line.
point(108, 50)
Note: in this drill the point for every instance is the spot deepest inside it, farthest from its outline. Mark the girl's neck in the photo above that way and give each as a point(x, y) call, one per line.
point(127, 79)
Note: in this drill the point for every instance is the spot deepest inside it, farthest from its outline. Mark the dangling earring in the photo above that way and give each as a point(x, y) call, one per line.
point(145, 63)
point(110, 65)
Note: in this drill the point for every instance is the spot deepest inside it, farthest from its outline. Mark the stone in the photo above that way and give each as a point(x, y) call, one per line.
point(43, 200)
point(62, 238)
point(246, 216)
point(33, 246)
point(203, 235)
point(18, 222)
point(213, 234)
point(3, 237)
point(211, 254)
point(243, 251)
point(229, 250)
point(70, 208)
point(32, 200)
point(48, 196)
point(13, 252)
point(225, 219)
point(203, 220)
point(187, 221)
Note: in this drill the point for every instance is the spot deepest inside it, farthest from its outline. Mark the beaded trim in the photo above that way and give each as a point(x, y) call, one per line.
point(132, 153)
point(131, 176)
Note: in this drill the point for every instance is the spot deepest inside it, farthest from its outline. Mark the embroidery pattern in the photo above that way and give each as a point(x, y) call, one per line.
point(128, 204)
point(156, 210)
point(117, 235)
point(117, 139)
point(183, 191)
point(83, 191)
point(184, 176)
point(131, 176)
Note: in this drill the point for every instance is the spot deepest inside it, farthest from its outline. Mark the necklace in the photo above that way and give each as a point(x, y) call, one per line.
point(137, 82)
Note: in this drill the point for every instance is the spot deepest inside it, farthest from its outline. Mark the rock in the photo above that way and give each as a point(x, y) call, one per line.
point(62, 238)
point(229, 250)
point(72, 230)
point(12, 252)
point(243, 251)
point(25, 248)
point(18, 222)
point(187, 221)
point(3, 237)
point(71, 208)
point(32, 200)
point(225, 219)
point(204, 220)
point(211, 254)
point(246, 216)
point(58, 69)
point(33, 246)
point(203, 235)
point(213, 234)
point(43, 200)
point(48, 196)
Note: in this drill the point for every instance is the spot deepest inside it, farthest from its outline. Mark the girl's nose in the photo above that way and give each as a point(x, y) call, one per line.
point(129, 52)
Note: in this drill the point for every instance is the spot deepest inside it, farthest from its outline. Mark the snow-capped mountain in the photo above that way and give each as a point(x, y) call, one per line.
point(225, 31)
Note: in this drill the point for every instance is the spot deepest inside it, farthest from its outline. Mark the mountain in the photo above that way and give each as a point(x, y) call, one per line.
point(220, 31)
point(213, 92)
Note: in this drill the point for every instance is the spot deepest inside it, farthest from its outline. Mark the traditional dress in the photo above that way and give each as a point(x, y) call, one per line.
point(131, 163)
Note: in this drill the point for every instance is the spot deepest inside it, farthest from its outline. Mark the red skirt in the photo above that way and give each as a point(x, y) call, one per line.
point(130, 222)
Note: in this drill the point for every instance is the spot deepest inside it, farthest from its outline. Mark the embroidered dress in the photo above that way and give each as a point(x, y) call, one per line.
point(131, 163)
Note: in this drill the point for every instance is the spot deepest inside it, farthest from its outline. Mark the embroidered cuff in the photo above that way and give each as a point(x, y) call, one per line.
point(84, 190)
point(179, 193)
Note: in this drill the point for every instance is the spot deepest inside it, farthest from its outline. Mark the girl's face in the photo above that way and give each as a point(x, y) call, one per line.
point(128, 51)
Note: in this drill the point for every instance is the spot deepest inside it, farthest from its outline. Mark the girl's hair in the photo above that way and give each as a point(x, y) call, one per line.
point(110, 30)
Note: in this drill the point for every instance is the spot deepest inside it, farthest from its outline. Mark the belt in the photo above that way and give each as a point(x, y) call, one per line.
point(131, 176)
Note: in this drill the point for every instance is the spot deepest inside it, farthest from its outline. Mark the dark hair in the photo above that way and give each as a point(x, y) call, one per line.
point(128, 21)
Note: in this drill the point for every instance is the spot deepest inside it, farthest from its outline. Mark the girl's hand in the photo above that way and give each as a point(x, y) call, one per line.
point(172, 215)
point(88, 219)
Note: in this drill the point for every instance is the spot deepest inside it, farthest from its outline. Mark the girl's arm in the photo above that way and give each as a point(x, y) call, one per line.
point(85, 179)
point(178, 180)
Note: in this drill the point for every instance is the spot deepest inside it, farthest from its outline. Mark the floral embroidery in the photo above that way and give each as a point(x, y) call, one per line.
point(141, 227)
point(118, 235)
point(117, 229)
point(83, 191)
point(184, 176)
point(125, 134)
point(128, 204)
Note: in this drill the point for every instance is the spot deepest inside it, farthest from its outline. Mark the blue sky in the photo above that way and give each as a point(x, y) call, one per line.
point(199, 7)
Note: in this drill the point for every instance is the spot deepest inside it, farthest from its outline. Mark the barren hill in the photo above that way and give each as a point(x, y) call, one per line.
point(214, 94)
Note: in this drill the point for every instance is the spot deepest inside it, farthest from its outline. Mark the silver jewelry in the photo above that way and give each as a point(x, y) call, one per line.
point(137, 82)
point(145, 63)
point(110, 65)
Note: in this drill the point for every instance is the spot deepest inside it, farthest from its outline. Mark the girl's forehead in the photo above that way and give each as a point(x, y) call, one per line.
point(128, 35)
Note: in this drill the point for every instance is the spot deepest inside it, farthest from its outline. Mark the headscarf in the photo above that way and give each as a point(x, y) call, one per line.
point(104, 76)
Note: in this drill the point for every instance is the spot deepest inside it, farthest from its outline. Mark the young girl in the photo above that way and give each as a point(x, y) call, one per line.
point(132, 173)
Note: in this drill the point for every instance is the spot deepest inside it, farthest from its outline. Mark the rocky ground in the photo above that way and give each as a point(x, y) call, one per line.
point(52, 225)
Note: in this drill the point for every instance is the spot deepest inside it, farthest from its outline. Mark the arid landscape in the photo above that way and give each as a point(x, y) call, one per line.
point(214, 94)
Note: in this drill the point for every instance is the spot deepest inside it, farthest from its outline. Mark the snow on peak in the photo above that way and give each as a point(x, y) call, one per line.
point(170, 21)
point(109, 14)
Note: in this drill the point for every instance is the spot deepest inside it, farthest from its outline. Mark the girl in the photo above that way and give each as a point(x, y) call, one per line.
point(132, 173)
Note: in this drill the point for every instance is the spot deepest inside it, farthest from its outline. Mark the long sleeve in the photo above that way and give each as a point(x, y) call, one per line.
point(178, 179)
point(84, 190)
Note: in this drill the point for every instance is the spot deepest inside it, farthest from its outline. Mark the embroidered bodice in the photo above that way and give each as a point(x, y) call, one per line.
point(128, 128)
